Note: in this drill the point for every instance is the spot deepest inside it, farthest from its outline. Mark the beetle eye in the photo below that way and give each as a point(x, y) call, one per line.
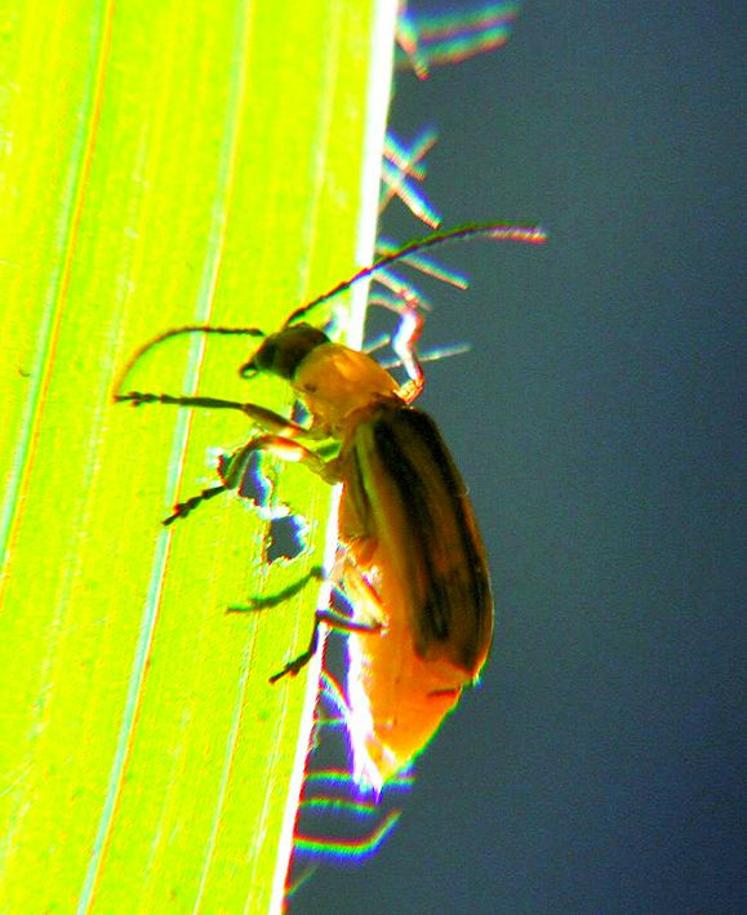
point(263, 359)
point(248, 370)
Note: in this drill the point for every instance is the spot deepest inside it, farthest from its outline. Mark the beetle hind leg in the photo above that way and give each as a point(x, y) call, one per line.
point(334, 621)
point(295, 666)
point(348, 575)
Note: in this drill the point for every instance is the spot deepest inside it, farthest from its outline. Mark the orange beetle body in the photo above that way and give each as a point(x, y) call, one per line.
point(411, 556)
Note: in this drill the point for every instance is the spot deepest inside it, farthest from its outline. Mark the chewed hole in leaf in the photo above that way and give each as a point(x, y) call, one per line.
point(286, 538)
point(255, 485)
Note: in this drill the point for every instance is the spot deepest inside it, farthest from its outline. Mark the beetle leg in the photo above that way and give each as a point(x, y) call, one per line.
point(297, 664)
point(345, 624)
point(405, 337)
point(266, 419)
point(238, 463)
point(364, 596)
point(334, 621)
point(281, 447)
point(182, 509)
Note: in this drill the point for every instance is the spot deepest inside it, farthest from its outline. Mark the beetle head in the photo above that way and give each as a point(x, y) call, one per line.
point(282, 353)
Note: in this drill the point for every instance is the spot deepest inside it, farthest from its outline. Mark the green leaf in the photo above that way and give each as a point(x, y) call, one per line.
point(162, 164)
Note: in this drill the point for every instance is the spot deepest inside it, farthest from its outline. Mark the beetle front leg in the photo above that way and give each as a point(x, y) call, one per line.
point(182, 509)
point(237, 466)
point(286, 449)
point(266, 419)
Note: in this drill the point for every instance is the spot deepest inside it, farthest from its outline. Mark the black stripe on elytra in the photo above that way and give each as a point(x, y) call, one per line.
point(362, 502)
point(435, 618)
point(479, 586)
point(394, 431)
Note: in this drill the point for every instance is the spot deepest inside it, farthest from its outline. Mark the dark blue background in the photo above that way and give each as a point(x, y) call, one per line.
point(599, 421)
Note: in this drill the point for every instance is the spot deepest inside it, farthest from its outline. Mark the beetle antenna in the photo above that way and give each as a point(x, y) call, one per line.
point(175, 332)
point(533, 235)
point(498, 231)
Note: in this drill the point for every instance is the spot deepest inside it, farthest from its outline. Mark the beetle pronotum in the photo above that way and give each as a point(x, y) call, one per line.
point(410, 556)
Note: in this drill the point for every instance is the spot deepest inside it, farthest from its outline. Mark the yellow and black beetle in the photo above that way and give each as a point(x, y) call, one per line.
point(410, 556)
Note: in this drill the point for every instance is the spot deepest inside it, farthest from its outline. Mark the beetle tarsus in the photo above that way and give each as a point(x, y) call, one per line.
point(182, 509)
point(295, 666)
point(136, 398)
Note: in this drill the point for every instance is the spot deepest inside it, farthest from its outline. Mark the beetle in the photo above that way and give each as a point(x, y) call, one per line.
point(410, 556)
